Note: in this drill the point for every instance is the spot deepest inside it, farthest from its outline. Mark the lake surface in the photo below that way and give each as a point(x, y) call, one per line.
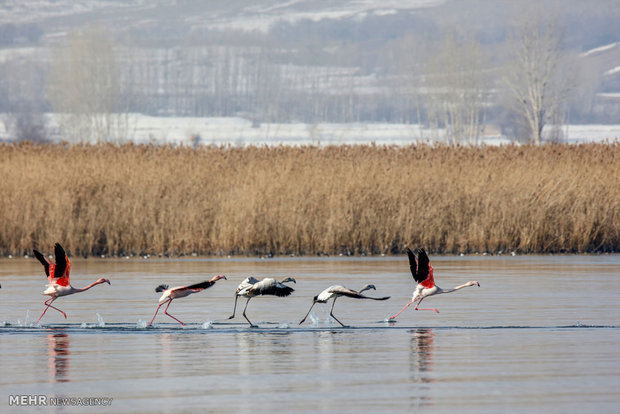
point(541, 334)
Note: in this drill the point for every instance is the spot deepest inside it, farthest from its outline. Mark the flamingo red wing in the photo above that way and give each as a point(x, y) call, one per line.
point(59, 273)
point(421, 268)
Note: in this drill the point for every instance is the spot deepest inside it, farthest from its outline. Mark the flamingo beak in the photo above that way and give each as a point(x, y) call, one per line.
point(478, 284)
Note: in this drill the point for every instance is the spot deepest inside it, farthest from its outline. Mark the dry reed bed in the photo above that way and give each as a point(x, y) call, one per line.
point(363, 199)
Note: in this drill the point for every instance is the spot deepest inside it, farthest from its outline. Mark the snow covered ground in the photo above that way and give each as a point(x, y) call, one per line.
point(241, 132)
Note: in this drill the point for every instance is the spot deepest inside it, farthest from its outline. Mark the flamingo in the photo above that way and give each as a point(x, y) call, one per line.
point(252, 287)
point(422, 272)
point(247, 283)
point(335, 292)
point(58, 275)
point(169, 294)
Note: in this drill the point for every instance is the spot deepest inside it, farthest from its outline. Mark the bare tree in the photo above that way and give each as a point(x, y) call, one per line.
point(85, 89)
point(457, 88)
point(531, 78)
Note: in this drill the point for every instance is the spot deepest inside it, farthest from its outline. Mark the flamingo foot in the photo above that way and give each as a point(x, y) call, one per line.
point(426, 309)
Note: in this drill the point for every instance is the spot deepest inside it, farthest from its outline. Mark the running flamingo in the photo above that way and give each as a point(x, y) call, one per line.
point(58, 275)
point(335, 292)
point(252, 287)
point(422, 272)
point(169, 294)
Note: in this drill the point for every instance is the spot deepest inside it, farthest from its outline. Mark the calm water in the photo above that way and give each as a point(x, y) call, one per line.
point(541, 334)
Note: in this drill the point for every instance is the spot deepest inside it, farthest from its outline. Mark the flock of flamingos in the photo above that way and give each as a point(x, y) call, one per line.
point(419, 263)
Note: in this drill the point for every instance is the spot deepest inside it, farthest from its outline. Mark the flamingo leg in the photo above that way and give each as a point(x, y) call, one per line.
point(401, 311)
point(166, 312)
point(49, 305)
point(302, 321)
point(160, 305)
point(246, 318)
point(332, 314)
point(235, 308)
point(416, 307)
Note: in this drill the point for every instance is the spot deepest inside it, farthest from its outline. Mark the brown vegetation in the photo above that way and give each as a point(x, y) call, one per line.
point(364, 199)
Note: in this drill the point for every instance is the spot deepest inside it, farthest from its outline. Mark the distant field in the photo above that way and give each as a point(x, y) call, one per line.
point(137, 199)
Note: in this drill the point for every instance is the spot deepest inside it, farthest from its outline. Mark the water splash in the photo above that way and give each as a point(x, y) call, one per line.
point(27, 321)
point(283, 325)
point(100, 321)
point(141, 324)
point(314, 320)
point(207, 325)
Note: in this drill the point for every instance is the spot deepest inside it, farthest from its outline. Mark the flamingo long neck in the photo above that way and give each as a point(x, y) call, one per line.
point(455, 288)
point(89, 286)
point(367, 287)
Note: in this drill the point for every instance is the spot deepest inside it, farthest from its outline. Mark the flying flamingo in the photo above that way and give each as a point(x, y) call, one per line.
point(58, 275)
point(169, 294)
point(422, 272)
point(252, 287)
point(335, 292)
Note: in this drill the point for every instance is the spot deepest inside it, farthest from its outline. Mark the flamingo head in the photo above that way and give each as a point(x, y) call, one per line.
point(367, 287)
point(102, 280)
point(218, 277)
point(475, 282)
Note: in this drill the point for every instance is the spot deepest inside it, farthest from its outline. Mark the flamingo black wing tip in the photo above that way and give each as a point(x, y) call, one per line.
point(43, 260)
point(284, 292)
point(59, 251)
point(201, 285)
point(161, 288)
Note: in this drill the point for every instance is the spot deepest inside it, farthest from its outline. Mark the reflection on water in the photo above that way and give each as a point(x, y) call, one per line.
point(503, 347)
point(58, 356)
point(422, 348)
point(421, 361)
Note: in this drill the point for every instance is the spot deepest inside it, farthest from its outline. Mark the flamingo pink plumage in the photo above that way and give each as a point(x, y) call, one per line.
point(422, 272)
point(169, 294)
point(58, 275)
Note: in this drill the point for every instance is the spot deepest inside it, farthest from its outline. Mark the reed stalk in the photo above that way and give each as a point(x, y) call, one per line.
point(137, 199)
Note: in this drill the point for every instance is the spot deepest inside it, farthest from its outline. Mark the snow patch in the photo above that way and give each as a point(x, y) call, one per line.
point(599, 49)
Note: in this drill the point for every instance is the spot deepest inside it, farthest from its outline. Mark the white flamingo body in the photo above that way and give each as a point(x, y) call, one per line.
point(58, 276)
point(56, 290)
point(176, 293)
point(252, 287)
point(335, 292)
point(420, 292)
point(169, 294)
point(422, 272)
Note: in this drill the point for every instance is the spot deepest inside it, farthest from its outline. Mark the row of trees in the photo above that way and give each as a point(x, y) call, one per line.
point(447, 86)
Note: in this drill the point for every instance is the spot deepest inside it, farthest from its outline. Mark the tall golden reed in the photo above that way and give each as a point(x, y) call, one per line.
point(136, 199)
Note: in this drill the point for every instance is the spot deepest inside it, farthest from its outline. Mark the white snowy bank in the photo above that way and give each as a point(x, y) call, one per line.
point(241, 132)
